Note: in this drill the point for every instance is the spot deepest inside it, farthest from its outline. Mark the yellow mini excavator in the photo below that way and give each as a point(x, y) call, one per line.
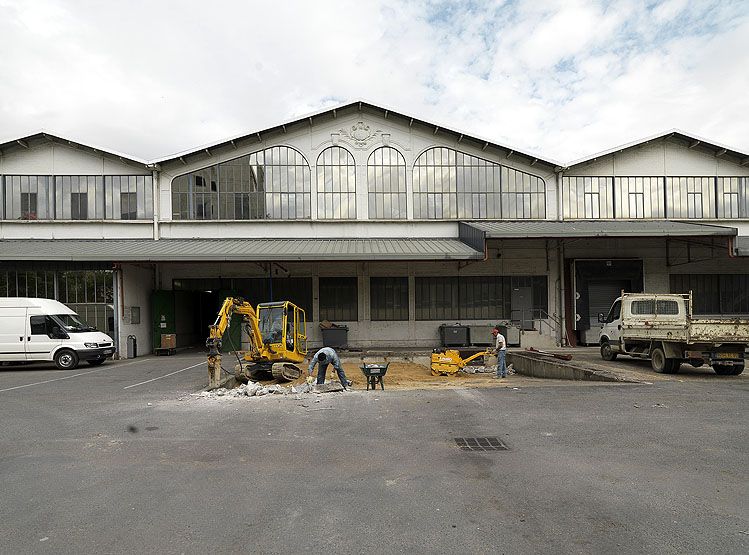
point(448, 362)
point(278, 340)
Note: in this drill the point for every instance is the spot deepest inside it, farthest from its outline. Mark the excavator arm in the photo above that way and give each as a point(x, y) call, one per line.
point(231, 306)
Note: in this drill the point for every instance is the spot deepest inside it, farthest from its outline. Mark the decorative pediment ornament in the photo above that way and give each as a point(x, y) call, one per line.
point(361, 134)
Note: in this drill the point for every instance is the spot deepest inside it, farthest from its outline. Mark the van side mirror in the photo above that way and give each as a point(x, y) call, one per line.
point(601, 318)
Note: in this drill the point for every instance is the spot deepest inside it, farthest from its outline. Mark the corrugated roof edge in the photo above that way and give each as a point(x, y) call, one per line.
point(47, 134)
point(520, 229)
point(658, 136)
point(387, 110)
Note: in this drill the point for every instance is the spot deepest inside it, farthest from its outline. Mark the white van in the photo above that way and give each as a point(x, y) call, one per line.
point(35, 330)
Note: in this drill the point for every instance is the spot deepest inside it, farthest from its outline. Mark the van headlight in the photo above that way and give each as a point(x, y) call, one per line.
point(91, 345)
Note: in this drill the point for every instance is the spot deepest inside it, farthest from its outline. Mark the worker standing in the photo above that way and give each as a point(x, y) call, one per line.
point(500, 348)
point(322, 358)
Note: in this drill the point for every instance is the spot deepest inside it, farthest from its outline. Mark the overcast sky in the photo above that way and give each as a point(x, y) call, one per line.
point(561, 78)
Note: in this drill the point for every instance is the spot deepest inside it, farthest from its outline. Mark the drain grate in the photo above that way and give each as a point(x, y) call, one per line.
point(481, 444)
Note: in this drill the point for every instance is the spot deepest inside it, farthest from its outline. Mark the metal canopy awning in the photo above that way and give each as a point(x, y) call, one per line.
point(227, 250)
point(588, 228)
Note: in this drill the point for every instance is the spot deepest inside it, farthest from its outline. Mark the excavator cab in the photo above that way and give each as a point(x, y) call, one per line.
point(283, 328)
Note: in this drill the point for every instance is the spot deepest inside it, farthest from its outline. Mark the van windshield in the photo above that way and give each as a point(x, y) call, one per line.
point(72, 323)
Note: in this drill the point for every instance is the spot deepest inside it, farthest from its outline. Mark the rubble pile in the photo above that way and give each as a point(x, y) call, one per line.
point(254, 389)
point(484, 369)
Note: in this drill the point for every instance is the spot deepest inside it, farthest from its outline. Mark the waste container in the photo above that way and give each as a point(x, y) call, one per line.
point(132, 347)
point(454, 335)
point(336, 336)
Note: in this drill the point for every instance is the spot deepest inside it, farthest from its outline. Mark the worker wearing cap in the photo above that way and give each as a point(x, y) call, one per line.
point(500, 348)
point(322, 358)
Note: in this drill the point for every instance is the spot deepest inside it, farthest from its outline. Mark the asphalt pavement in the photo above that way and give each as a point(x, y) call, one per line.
point(121, 458)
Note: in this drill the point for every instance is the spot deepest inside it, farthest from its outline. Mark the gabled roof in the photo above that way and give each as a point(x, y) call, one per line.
point(45, 136)
point(691, 140)
point(256, 136)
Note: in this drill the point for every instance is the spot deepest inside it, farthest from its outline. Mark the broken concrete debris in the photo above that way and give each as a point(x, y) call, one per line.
point(485, 369)
point(253, 389)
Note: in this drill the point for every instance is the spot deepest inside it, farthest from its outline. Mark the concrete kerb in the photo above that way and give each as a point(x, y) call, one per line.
point(544, 366)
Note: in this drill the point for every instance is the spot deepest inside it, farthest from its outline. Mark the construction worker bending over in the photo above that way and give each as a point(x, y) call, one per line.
point(322, 358)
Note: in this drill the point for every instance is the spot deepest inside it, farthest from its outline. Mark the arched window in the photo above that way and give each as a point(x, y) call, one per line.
point(386, 182)
point(274, 184)
point(448, 184)
point(336, 184)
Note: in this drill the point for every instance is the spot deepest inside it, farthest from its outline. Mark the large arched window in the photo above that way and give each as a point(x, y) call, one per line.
point(336, 184)
point(386, 182)
point(274, 183)
point(448, 184)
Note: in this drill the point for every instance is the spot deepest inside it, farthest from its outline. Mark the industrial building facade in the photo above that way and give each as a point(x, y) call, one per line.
point(375, 220)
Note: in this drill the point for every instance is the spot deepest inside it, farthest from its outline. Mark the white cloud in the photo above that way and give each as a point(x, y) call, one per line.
point(564, 79)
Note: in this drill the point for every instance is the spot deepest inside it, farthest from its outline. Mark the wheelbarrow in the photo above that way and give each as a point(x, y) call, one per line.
point(374, 374)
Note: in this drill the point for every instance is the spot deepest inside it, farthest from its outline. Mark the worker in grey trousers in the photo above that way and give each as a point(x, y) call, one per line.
point(322, 358)
point(500, 348)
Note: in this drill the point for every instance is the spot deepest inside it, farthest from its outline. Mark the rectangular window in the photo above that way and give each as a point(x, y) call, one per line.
point(691, 197)
point(437, 298)
point(26, 197)
point(42, 325)
point(733, 197)
point(643, 307)
point(88, 292)
point(128, 206)
point(589, 198)
point(476, 297)
point(714, 293)
point(78, 206)
point(339, 299)
point(667, 307)
point(28, 206)
point(388, 298)
point(639, 197)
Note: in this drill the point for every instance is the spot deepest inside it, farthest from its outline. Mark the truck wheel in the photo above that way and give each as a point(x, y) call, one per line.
point(607, 353)
point(659, 362)
point(725, 370)
point(65, 359)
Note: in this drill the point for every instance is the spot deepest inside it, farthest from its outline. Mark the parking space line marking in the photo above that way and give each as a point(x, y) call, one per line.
point(165, 375)
point(109, 367)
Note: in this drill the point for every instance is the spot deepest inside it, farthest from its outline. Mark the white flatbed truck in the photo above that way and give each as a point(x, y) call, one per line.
point(661, 327)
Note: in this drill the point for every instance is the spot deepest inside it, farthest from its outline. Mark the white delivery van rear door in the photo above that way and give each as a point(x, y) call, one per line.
point(12, 334)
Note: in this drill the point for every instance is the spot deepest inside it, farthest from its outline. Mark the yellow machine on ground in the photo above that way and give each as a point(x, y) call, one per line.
point(277, 333)
point(448, 362)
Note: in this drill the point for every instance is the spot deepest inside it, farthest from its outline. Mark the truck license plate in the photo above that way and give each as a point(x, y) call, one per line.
point(108, 351)
point(728, 355)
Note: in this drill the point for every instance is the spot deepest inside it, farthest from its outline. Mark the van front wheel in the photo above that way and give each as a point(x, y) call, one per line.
point(65, 359)
point(607, 352)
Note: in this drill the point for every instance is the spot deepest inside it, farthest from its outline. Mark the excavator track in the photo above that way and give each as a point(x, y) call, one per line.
point(285, 371)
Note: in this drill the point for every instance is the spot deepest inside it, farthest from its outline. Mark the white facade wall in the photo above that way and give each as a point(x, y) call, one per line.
point(661, 157)
point(134, 290)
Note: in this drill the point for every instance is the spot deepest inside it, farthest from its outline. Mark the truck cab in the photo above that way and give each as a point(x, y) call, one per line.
point(660, 327)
